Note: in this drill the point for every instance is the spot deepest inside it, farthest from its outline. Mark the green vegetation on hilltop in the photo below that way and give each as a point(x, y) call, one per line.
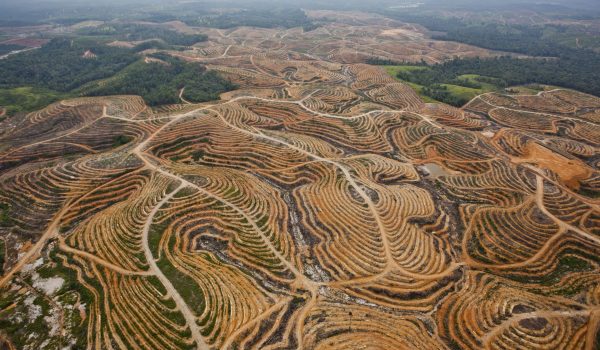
point(34, 79)
point(395, 70)
point(554, 64)
point(27, 99)
point(159, 82)
point(504, 71)
point(263, 18)
point(139, 32)
point(432, 84)
point(456, 94)
point(60, 65)
point(533, 40)
point(574, 36)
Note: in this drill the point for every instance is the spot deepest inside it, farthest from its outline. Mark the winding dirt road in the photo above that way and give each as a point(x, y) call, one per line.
point(190, 318)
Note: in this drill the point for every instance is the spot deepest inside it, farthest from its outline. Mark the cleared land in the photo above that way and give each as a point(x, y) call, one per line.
point(293, 212)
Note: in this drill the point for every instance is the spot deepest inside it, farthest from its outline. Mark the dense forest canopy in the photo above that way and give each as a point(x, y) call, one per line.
point(265, 18)
point(6, 48)
point(159, 82)
point(73, 67)
point(139, 32)
point(60, 64)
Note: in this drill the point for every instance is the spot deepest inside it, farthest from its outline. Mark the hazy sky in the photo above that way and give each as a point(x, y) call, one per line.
point(32, 10)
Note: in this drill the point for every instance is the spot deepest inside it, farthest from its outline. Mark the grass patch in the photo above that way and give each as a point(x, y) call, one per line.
point(155, 234)
point(27, 99)
point(434, 86)
point(487, 83)
point(419, 89)
point(184, 284)
point(121, 140)
point(462, 92)
point(394, 70)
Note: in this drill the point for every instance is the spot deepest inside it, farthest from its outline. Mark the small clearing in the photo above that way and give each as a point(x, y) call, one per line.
point(570, 171)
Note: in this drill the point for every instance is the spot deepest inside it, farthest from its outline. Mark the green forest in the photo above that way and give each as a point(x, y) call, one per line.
point(551, 62)
point(160, 82)
point(139, 32)
point(34, 79)
point(6, 48)
point(435, 83)
point(263, 18)
point(59, 65)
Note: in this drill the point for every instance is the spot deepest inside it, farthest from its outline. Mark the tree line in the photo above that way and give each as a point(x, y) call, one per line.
point(139, 32)
point(160, 82)
point(60, 65)
point(551, 62)
point(263, 18)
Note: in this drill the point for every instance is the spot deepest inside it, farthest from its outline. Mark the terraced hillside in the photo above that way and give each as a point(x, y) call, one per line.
point(322, 205)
